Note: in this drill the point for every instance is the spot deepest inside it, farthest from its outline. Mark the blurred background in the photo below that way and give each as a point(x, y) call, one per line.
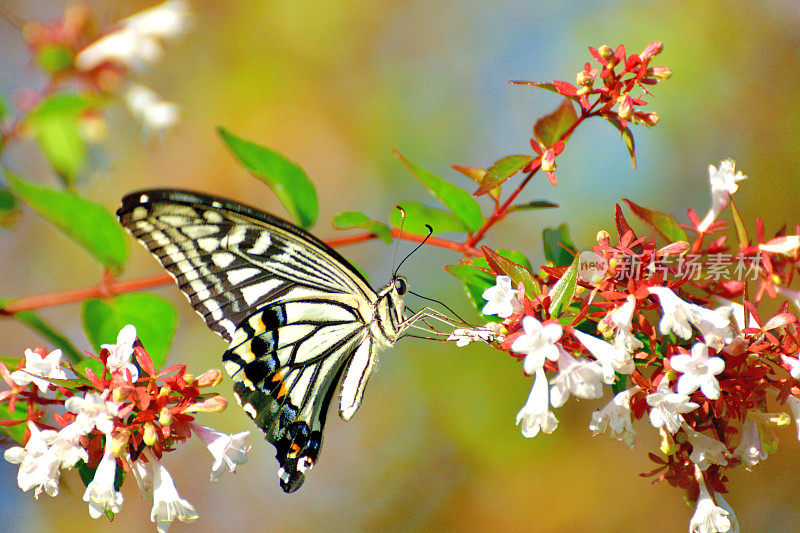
point(335, 86)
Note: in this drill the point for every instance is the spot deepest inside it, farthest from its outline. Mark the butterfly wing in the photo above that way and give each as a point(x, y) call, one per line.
point(294, 311)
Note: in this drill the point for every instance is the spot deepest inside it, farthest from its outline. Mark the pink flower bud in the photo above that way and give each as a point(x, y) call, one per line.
point(625, 107)
point(652, 49)
point(659, 73)
point(549, 161)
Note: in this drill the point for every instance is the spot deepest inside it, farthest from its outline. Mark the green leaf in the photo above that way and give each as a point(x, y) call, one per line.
point(9, 207)
point(554, 252)
point(564, 289)
point(153, 316)
point(3, 108)
point(477, 174)
point(741, 231)
point(287, 179)
point(475, 282)
point(500, 171)
point(354, 219)
point(59, 340)
point(549, 129)
point(535, 204)
point(88, 223)
point(627, 137)
point(516, 266)
point(662, 223)
point(16, 432)
point(417, 215)
point(457, 200)
point(55, 124)
point(54, 58)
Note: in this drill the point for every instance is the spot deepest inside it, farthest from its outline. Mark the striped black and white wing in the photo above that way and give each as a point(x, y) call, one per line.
point(295, 312)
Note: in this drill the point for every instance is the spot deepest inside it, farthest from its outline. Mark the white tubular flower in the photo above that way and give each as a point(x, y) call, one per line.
point(537, 343)
point(94, 411)
point(679, 315)
point(731, 515)
point(228, 450)
point(155, 114)
point(618, 322)
point(167, 20)
point(714, 336)
point(100, 492)
point(38, 467)
point(501, 299)
point(615, 418)
point(794, 405)
point(119, 354)
point(707, 517)
point(723, 184)
point(749, 451)
point(667, 407)
point(66, 448)
point(612, 358)
point(705, 450)
point(698, 371)
point(125, 47)
point(39, 369)
point(579, 377)
point(167, 503)
point(463, 336)
point(143, 473)
point(536, 414)
point(787, 245)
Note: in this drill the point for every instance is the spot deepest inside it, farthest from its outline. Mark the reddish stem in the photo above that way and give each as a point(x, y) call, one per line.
point(110, 287)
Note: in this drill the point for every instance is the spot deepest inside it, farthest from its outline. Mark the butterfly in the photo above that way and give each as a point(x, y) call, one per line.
point(298, 316)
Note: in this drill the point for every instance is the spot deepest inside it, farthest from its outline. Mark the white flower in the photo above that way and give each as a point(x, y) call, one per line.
point(137, 43)
point(794, 405)
point(38, 369)
point(787, 245)
point(749, 451)
point(501, 299)
point(579, 377)
point(38, 467)
point(713, 335)
point(167, 503)
point(612, 358)
point(667, 407)
point(156, 115)
point(794, 365)
point(705, 450)
point(536, 414)
point(698, 371)
point(227, 449)
point(723, 184)
point(119, 354)
point(124, 47)
point(616, 417)
point(143, 473)
point(537, 342)
point(679, 315)
point(93, 410)
point(100, 492)
point(66, 448)
point(731, 515)
point(707, 517)
point(464, 336)
point(166, 20)
point(618, 322)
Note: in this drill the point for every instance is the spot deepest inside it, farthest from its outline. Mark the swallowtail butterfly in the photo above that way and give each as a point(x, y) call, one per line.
point(299, 318)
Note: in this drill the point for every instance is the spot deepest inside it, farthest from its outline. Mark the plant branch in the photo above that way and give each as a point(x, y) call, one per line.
point(111, 287)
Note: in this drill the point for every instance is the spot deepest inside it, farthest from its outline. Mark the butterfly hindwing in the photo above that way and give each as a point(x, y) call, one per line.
point(299, 318)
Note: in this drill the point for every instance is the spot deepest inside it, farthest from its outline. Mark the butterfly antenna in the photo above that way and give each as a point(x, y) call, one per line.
point(399, 236)
point(420, 245)
point(418, 295)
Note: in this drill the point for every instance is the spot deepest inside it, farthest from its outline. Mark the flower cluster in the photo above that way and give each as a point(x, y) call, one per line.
point(692, 356)
point(112, 416)
point(72, 50)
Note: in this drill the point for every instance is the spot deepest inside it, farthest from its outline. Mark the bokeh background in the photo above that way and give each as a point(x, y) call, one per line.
point(335, 86)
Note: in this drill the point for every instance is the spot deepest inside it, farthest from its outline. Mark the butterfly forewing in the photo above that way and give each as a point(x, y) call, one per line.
point(297, 315)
